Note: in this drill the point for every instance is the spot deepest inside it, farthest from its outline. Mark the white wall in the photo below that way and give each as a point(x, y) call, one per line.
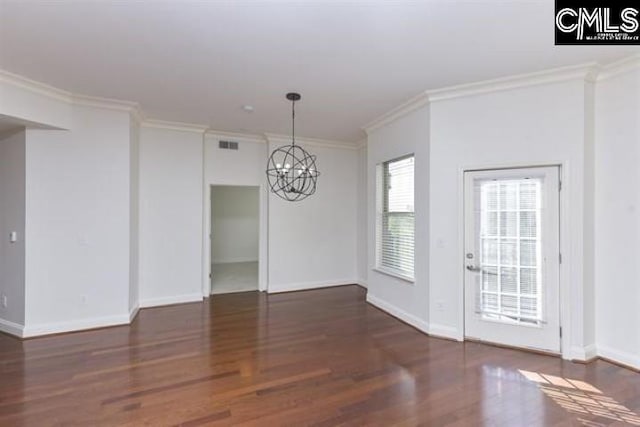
point(407, 135)
point(12, 218)
point(313, 242)
point(171, 234)
point(536, 125)
point(78, 223)
point(235, 219)
point(618, 218)
point(361, 218)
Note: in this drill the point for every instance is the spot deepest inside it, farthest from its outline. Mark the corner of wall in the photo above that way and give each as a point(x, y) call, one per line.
point(416, 322)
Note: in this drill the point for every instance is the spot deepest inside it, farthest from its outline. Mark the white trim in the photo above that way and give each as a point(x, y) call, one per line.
point(235, 136)
point(629, 359)
point(176, 126)
point(391, 309)
point(362, 283)
point(556, 75)
point(11, 328)
point(277, 139)
point(35, 86)
point(277, 288)
point(69, 97)
point(133, 313)
point(176, 299)
point(587, 71)
point(583, 354)
point(106, 103)
point(402, 110)
point(444, 331)
point(75, 325)
point(389, 272)
point(624, 65)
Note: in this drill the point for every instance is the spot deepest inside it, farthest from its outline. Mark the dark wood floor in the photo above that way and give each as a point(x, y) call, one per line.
point(318, 358)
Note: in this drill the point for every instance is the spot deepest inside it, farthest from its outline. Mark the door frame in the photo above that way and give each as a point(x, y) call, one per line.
point(262, 236)
point(566, 267)
point(544, 337)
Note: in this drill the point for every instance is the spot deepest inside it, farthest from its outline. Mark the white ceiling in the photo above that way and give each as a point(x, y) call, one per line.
point(201, 61)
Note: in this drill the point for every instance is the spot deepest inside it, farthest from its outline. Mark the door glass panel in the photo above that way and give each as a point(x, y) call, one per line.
point(509, 213)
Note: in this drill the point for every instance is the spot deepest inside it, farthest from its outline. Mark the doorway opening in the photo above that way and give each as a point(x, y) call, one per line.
point(235, 231)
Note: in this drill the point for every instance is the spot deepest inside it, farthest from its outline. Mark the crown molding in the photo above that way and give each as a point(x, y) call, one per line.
point(582, 71)
point(235, 136)
point(589, 72)
point(273, 138)
point(624, 65)
point(402, 110)
point(175, 126)
point(138, 115)
point(67, 97)
point(107, 103)
point(35, 86)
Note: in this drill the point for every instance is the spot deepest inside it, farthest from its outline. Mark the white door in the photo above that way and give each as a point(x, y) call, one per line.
point(512, 256)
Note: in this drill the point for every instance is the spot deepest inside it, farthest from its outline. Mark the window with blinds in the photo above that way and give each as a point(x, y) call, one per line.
point(396, 222)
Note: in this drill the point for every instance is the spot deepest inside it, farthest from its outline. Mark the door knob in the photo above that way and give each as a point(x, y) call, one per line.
point(474, 268)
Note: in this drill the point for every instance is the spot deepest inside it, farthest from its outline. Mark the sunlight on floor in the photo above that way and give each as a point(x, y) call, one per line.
point(579, 397)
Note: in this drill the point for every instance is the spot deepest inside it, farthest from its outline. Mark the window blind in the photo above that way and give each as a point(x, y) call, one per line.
point(396, 234)
point(510, 215)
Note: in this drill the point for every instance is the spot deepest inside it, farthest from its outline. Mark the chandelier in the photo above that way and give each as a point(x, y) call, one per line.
point(291, 170)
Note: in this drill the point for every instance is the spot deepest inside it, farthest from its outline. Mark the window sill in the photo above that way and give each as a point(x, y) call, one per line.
point(391, 273)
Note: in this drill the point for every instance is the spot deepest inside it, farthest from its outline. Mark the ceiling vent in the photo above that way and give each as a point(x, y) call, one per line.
point(228, 145)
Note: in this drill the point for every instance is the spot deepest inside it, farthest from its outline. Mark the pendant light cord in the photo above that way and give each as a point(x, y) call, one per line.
point(293, 122)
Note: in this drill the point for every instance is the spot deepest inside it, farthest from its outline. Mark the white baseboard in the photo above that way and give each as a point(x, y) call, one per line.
point(11, 328)
point(399, 313)
point(444, 331)
point(582, 354)
point(177, 299)
point(274, 288)
point(75, 325)
point(133, 313)
point(623, 357)
point(232, 260)
point(362, 282)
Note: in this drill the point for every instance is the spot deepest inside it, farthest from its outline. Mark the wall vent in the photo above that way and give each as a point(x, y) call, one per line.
point(228, 145)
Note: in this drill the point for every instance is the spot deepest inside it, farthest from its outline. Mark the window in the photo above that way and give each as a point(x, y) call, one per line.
point(395, 222)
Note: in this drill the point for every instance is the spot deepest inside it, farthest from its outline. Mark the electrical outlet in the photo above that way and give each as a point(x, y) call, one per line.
point(4, 301)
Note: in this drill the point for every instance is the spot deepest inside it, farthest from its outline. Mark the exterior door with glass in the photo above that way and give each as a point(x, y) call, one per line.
point(512, 257)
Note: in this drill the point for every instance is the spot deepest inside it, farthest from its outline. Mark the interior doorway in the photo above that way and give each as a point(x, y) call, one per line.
point(235, 231)
point(512, 247)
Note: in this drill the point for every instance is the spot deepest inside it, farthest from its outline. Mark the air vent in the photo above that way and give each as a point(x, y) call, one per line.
point(228, 145)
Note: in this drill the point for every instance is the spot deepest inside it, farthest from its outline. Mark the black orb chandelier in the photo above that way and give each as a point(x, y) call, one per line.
point(291, 170)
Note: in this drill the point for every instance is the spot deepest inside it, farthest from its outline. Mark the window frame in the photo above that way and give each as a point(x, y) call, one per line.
point(382, 195)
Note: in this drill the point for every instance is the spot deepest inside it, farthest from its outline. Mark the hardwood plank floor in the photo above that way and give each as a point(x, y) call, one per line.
point(316, 358)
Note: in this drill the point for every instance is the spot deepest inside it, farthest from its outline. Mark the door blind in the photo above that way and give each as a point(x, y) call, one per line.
point(396, 236)
point(509, 219)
